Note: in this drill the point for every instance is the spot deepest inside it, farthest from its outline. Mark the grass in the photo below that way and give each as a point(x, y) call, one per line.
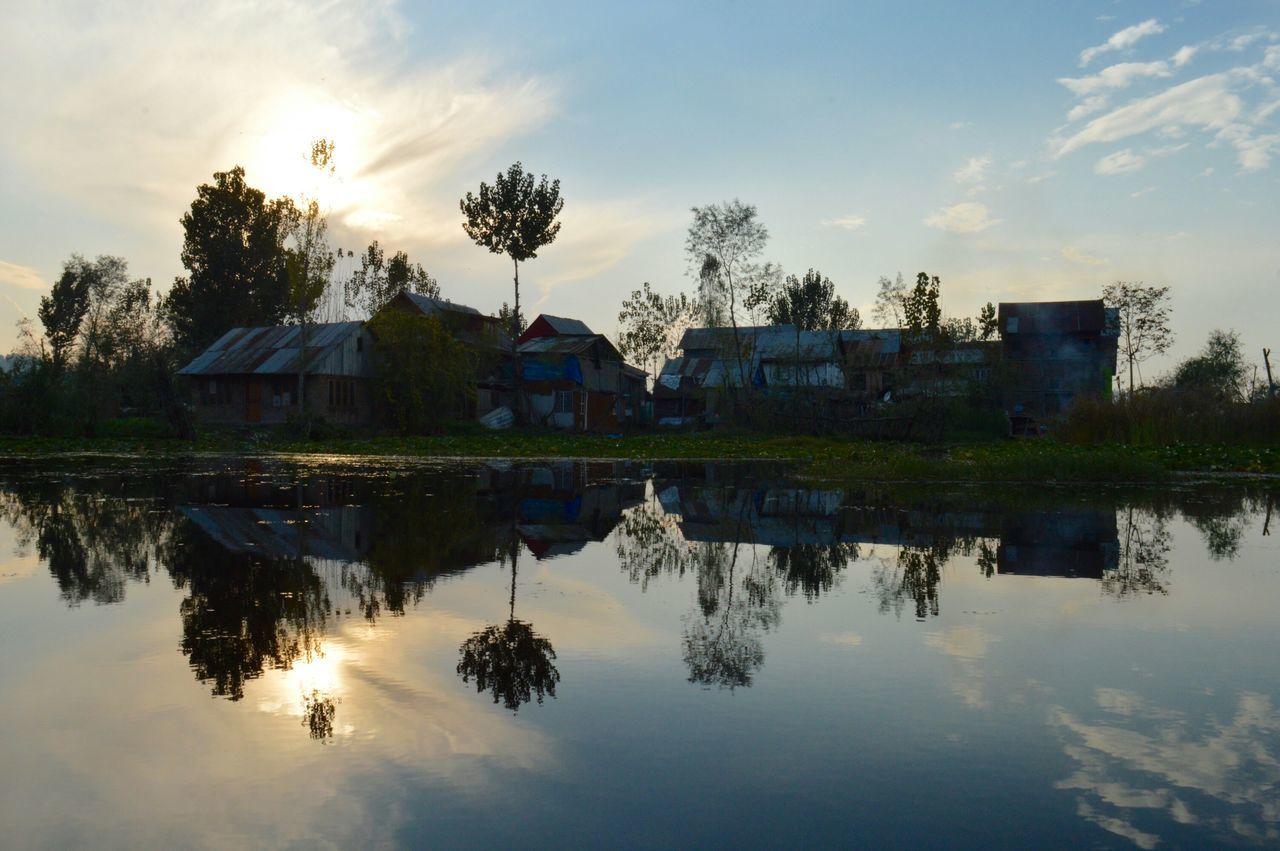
point(1042, 460)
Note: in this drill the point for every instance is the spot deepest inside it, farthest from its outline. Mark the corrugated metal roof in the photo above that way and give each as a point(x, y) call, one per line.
point(430, 305)
point(566, 345)
point(275, 351)
point(561, 325)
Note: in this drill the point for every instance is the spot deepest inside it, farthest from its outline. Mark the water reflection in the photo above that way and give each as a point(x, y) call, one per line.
point(279, 571)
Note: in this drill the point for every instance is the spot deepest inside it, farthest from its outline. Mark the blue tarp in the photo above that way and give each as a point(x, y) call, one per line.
point(545, 370)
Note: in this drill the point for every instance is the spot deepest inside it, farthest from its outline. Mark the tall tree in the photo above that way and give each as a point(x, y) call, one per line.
point(723, 246)
point(63, 310)
point(233, 250)
point(1218, 370)
point(379, 280)
point(649, 322)
point(922, 306)
point(515, 216)
point(988, 323)
point(1143, 321)
point(810, 304)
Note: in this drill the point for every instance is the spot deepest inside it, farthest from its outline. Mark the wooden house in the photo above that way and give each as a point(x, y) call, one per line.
point(575, 379)
point(249, 376)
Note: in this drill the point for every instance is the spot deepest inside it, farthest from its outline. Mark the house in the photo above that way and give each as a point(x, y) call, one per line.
point(575, 379)
point(1053, 353)
point(249, 376)
point(835, 368)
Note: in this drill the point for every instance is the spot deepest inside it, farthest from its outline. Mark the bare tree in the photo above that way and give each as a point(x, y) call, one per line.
point(1143, 321)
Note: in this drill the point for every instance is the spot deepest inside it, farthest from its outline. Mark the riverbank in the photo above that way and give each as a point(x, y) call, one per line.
point(821, 457)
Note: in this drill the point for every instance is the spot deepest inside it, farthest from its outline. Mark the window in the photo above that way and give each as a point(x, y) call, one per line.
point(342, 393)
point(360, 343)
point(216, 392)
point(564, 402)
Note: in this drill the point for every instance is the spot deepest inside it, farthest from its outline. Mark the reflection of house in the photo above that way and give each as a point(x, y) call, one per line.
point(337, 534)
point(1054, 352)
point(250, 375)
point(776, 361)
point(560, 511)
point(1063, 543)
point(577, 380)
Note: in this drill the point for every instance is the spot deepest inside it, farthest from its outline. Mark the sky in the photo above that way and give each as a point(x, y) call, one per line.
point(1020, 151)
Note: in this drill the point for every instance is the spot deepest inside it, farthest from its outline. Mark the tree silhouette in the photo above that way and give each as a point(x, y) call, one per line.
point(510, 660)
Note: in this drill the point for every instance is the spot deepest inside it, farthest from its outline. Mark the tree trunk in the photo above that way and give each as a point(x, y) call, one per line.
point(515, 348)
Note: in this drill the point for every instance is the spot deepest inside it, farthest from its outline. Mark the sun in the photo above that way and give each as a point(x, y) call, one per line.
point(279, 163)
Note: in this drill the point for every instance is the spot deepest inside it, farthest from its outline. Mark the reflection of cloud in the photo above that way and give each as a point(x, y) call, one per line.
point(1123, 769)
point(847, 639)
point(965, 646)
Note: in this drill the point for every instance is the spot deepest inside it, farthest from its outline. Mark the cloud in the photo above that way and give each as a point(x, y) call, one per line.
point(1146, 190)
point(1208, 171)
point(849, 222)
point(1041, 178)
point(1253, 151)
point(1075, 255)
point(128, 115)
point(1184, 55)
point(973, 171)
point(1115, 77)
point(1121, 162)
point(23, 277)
point(596, 236)
point(1122, 40)
point(1088, 106)
point(1242, 42)
point(959, 125)
point(1203, 102)
point(967, 217)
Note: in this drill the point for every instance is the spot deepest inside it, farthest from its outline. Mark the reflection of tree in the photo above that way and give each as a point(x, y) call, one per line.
point(1221, 517)
point(243, 614)
point(510, 660)
point(318, 713)
point(1145, 542)
point(913, 576)
point(812, 568)
point(648, 544)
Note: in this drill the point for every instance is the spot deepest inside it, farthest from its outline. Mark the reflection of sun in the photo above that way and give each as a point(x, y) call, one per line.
point(280, 164)
point(320, 673)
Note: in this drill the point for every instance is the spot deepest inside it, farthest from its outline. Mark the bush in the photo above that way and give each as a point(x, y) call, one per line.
point(1167, 415)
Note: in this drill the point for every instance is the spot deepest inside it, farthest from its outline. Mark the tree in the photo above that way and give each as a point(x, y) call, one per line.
point(510, 319)
point(378, 280)
point(723, 245)
point(650, 321)
point(1143, 321)
point(988, 324)
point(422, 375)
point(516, 217)
point(810, 304)
point(922, 308)
point(64, 308)
point(233, 250)
point(889, 301)
point(1219, 370)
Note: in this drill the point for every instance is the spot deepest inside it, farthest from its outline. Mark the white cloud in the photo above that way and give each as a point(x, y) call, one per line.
point(1088, 106)
point(1115, 77)
point(1041, 178)
point(1203, 102)
point(959, 125)
point(1121, 162)
point(1271, 59)
point(1208, 171)
point(1146, 190)
point(1075, 255)
point(850, 222)
point(1242, 42)
point(965, 218)
point(128, 115)
point(973, 171)
point(1184, 55)
point(1122, 40)
point(1253, 151)
point(23, 277)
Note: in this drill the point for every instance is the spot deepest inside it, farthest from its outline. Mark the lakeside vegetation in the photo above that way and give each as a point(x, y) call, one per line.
point(1043, 460)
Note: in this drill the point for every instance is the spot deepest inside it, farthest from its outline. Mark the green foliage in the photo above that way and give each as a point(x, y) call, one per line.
point(234, 252)
point(515, 216)
point(810, 304)
point(922, 308)
point(513, 322)
point(64, 309)
point(988, 322)
point(1166, 416)
point(651, 324)
point(889, 300)
point(378, 280)
point(1219, 370)
point(422, 374)
point(723, 247)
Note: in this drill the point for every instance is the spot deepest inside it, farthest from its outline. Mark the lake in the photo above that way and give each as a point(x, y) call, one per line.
point(230, 652)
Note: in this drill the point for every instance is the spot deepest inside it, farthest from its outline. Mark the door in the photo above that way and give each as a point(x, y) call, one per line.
point(253, 401)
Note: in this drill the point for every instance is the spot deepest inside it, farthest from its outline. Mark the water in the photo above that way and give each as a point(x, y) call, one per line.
point(271, 653)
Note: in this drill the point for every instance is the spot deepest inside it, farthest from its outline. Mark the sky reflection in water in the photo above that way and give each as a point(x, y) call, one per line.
point(611, 654)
